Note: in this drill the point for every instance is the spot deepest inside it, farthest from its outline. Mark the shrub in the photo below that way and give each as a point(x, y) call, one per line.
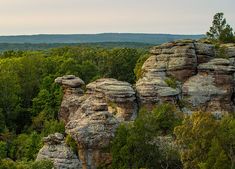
point(138, 68)
point(135, 144)
point(171, 82)
point(71, 143)
point(3, 149)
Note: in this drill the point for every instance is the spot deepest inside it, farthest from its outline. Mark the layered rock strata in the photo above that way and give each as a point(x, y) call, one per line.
point(58, 152)
point(92, 118)
point(190, 74)
point(203, 80)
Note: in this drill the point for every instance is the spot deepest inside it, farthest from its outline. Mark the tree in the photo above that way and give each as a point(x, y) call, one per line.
point(206, 143)
point(220, 30)
point(195, 136)
point(217, 158)
point(136, 145)
point(3, 150)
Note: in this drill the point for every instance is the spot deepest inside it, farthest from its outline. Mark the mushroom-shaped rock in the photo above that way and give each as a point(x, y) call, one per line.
point(70, 81)
point(94, 116)
point(72, 89)
point(58, 152)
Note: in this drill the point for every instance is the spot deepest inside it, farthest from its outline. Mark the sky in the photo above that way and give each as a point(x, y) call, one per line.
point(26, 17)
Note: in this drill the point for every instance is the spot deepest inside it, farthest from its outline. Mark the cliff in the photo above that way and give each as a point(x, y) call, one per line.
point(190, 74)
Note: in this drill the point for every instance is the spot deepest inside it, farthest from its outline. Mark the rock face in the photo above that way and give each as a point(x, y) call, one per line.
point(72, 88)
point(203, 81)
point(56, 150)
point(92, 118)
point(186, 73)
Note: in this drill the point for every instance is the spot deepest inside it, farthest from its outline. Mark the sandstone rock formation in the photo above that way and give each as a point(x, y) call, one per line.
point(204, 81)
point(91, 118)
point(56, 150)
point(190, 74)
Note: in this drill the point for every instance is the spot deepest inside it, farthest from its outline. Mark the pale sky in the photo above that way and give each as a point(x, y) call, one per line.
point(99, 16)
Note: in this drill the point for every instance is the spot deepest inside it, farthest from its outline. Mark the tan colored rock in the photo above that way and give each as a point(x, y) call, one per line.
point(92, 117)
point(72, 89)
point(204, 81)
point(58, 152)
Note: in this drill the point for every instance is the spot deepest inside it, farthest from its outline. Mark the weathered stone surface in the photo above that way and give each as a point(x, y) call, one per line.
point(56, 150)
point(178, 72)
point(204, 81)
point(70, 81)
point(92, 117)
point(176, 58)
point(72, 88)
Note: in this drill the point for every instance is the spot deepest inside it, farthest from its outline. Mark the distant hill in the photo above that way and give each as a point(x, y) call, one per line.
point(96, 38)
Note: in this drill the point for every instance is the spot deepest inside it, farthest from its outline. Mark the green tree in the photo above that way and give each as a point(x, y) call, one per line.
point(44, 164)
point(220, 30)
point(135, 144)
point(138, 67)
point(3, 150)
point(217, 158)
point(206, 142)
point(195, 136)
point(25, 146)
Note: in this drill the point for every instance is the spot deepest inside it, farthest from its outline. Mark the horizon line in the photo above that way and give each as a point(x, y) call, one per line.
point(40, 34)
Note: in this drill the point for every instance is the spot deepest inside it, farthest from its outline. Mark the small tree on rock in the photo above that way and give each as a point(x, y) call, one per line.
point(220, 30)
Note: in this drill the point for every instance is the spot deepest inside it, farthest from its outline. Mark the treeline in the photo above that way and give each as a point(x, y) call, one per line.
point(30, 100)
point(45, 46)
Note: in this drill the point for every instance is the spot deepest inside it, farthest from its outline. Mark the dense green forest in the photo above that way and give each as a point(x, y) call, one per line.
point(29, 98)
point(44, 46)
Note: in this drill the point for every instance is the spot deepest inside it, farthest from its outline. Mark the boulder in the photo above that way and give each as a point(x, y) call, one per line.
point(58, 152)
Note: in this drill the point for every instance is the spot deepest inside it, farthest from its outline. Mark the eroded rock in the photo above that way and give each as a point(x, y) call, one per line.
point(203, 80)
point(186, 73)
point(92, 118)
point(56, 150)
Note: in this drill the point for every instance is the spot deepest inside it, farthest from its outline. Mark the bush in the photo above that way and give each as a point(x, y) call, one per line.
point(206, 142)
point(135, 144)
point(7, 164)
point(3, 149)
point(138, 67)
point(53, 126)
point(10, 164)
point(25, 147)
point(71, 143)
point(44, 164)
point(171, 82)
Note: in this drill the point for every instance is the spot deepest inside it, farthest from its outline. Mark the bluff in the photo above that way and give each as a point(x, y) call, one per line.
point(190, 74)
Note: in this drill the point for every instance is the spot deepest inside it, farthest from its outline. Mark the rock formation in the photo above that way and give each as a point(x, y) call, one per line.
point(203, 81)
point(91, 118)
point(56, 150)
point(190, 74)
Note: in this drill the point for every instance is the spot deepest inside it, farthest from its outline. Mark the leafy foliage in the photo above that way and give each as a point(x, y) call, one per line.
point(135, 144)
point(30, 100)
point(220, 30)
point(138, 68)
point(9, 164)
point(206, 142)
